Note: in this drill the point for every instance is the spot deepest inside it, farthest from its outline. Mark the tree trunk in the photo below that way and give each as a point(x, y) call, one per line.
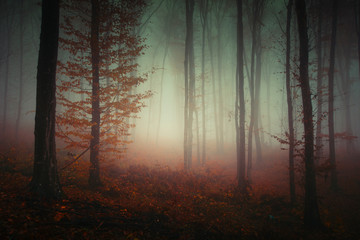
point(45, 181)
point(257, 99)
point(319, 91)
point(252, 100)
point(203, 12)
point(240, 102)
point(311, 211)
point(7, 67)
point(210, 43)
point(94, 171)
point(189, 85)
point(290, 104)
point(358, 33)
point(334, 184)
point(221, 100)
point(21, 80)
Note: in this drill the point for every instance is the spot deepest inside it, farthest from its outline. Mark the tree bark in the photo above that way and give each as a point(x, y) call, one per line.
point(240, 102)
point(21, 80)
point(94, 171)
point(311, 211)
point(319, 91)
point(45, 181)
point(189, 84)
point(290, 104)
point(334, 184)
point(203, 13)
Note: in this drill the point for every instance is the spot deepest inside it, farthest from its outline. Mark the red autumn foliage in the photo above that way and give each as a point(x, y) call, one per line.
point(163, 202)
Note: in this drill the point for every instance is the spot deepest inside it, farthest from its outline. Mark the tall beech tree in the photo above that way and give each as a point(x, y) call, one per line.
point(45, 180)
point(100, 70)
point(311, 211)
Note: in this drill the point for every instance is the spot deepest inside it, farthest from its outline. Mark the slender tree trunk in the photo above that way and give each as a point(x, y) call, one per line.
point(210, 43)
point(45, 181)
point(251, 89)
point(221, 100)
point(344, 56)
point(240, 102)
point(319, 84)
point(7, 68)
point(290, 104)
point(257, 99)
point(168, 32)
point(204, 11)
point(21, 80)
point(162, 86)
point(334, 184)
point(197, 137)
point(189, 84)
point(94, 171)
point(358, 33)
point(311, 211)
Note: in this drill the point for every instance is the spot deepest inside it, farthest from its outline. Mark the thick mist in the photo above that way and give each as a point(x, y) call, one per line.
point(170, 91)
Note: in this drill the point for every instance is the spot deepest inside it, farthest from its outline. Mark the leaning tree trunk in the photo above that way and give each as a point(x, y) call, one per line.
point(45, 180)
point(311, 211)
point(290, 105)
point(331, 98)
point(94, 171)
point(240, 102)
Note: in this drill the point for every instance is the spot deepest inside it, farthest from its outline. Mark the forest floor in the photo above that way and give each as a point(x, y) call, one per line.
point(156, 201)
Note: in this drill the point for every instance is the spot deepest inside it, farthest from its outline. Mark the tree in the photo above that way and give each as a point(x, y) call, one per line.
point(95, 82)
point(9, 26)
point(45, 180)
point(311, 211)
point(357, 25)
point(319, 91)
point(290, 104)
point(21, 77)
point(331, 97)
point(189, 66)
point(240, 102)
point(94, 171)
point(171, 10)
point(254, 81)
point(204, 7)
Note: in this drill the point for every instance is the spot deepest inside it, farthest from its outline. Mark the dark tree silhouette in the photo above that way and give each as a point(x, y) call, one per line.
point(204, 7)
point(45, 181)
point(311, 211)
point(290, 104)
point(240, 102)
point(319, 82)
point(331, 97)
point(94, 177)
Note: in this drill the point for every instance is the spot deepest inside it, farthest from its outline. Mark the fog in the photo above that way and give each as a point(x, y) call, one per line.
point(169, 111)
point(161, 122)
